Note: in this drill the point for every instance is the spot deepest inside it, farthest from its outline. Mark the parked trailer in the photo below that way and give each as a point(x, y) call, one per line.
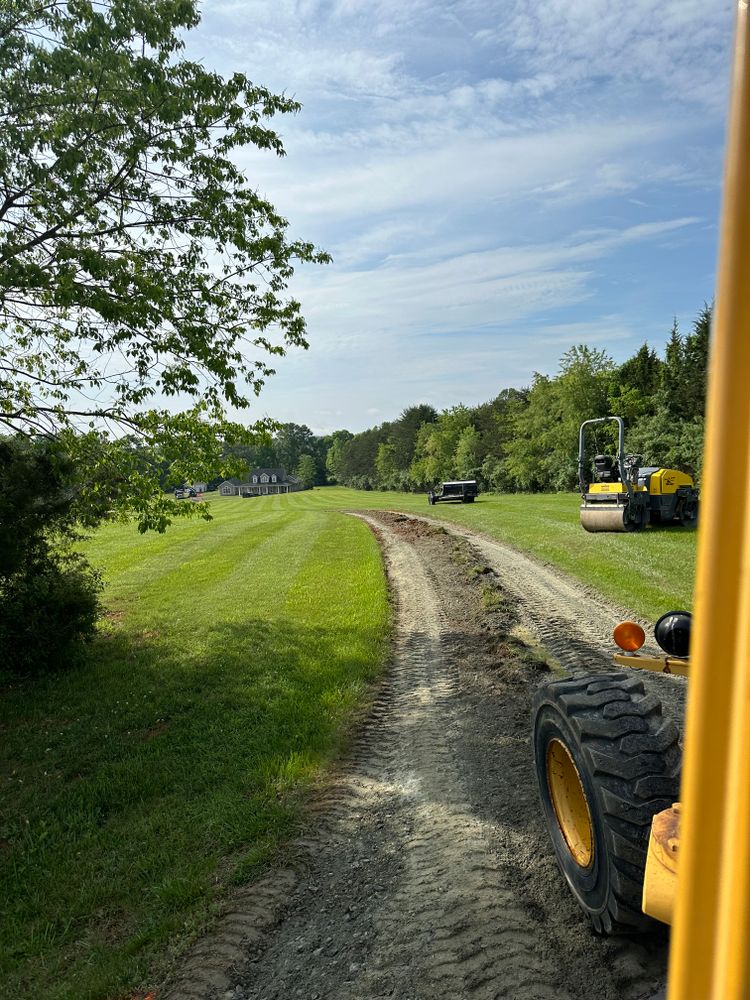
point(461, 491)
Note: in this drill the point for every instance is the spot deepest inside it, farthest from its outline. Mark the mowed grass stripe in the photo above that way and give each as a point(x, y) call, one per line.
point(128, 558)
point(289, 549)
point(257, 565)
point(328, 569)
point(647, 572)
point(143, 783)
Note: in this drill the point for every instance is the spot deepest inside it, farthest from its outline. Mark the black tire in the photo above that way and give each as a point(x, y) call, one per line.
point(627, 759)
point(636, 519)
point(689, 514)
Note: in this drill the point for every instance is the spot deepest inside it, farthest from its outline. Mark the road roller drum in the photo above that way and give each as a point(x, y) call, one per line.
point(610, 518)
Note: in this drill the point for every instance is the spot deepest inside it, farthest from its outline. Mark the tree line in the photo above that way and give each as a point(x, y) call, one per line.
point(527, 439)
point(522, 440)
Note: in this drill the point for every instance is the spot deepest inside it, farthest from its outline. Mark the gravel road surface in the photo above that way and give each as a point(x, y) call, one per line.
point(424, 870)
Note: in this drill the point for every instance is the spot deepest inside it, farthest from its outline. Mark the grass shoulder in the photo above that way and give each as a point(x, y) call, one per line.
point(140, 786)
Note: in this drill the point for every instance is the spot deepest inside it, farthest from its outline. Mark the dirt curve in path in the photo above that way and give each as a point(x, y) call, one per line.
point(424, 871)
point(573, 624)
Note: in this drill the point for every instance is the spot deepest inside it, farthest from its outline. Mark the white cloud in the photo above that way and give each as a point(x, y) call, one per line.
point(446, 152)
point(362, 312)
point(680, 44)
point(455, 172)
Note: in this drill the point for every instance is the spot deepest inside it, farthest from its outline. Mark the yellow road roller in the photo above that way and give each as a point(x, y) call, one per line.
point(625, 496)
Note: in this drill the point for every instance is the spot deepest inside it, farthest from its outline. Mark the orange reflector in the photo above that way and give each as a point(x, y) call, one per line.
point(629, 636)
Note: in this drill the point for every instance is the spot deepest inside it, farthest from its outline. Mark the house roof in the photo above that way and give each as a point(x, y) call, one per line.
point(233, 482)
point(281, 476)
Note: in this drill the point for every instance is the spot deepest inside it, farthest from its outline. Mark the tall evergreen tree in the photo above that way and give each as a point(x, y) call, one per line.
point(641, 372)
point(673, 374)
point(696, 364)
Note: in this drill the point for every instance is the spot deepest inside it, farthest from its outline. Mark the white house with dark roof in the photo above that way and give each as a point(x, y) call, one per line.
point(264, 482)
point(261, 482)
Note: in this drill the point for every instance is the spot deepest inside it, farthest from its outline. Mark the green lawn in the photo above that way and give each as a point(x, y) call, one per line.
point(648, 572)
point(137, 788)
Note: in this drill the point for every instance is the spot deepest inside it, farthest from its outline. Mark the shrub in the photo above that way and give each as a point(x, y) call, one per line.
point(47, 611)
point(49, 595)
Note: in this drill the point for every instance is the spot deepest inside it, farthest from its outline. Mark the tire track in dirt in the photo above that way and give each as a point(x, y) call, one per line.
point(415, 901)
point(424, 870)
point(453, 913)
point(573, 623)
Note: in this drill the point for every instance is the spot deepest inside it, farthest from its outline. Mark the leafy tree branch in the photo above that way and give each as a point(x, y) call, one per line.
point(130, 239)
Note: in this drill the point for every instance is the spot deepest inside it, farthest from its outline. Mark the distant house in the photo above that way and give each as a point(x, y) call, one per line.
point(199, 487)
point(230, 487)
point(264, 482)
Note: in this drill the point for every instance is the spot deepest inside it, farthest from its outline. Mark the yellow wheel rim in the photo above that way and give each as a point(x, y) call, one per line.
point(569, 802)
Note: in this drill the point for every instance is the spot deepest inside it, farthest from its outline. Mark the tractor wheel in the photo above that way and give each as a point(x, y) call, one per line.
point(689, 514)
point(606, 762)
point(642, 519)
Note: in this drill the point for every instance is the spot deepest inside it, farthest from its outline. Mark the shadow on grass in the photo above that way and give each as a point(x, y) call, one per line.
point(672, 528)
point(143, 781)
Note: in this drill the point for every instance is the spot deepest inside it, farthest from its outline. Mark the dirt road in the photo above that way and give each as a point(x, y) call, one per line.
point(425, 871)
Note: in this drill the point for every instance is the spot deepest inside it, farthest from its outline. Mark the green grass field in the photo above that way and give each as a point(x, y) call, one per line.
point(138, 788)
point(647, 572)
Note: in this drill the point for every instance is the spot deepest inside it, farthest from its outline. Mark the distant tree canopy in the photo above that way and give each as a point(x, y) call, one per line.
point(305, 471)
point(527, 439)
point(137, 263)
point(522, 440)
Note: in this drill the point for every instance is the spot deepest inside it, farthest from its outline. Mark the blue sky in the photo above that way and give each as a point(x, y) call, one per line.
point(495, 181)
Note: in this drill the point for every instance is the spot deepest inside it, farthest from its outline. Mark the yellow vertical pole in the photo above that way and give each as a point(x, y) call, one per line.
point(710, 944)
point(732, 953)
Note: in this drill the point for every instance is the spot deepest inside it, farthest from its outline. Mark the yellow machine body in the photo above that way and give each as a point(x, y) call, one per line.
point(661, 496)
point(666, 481)
point(613, 488)
point(662, 483)
point(657, 664)
point(660, 881)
